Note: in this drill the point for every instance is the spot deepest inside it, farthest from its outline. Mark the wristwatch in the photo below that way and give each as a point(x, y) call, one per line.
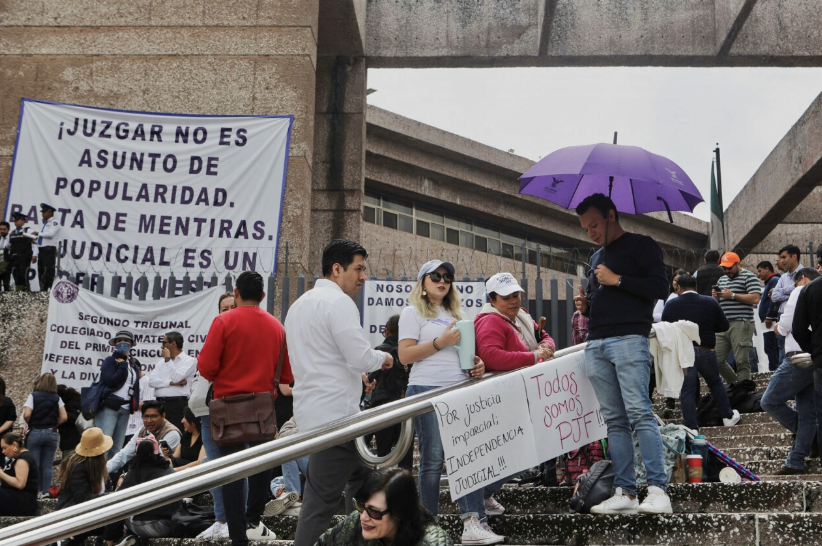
point(619, 282)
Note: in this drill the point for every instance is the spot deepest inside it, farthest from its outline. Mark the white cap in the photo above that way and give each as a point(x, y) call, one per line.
point(503, 284)
point(433, 265)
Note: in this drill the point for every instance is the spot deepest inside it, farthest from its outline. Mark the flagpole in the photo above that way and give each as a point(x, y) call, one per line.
point(719, 177)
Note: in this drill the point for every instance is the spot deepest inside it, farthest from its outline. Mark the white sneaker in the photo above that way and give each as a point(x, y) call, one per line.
point(733, 420)
point(260, 532)
point(657, 502)
point(293, 510)
point(474, 533)
point(484, 525)
point(493, 508)
point(218, 531)
point(618, 504)
point(128, 540)
point(278, 505)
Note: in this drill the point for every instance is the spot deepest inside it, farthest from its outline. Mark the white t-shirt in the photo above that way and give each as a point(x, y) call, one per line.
point(29, 403)
point(123, 392)
point(441, 368)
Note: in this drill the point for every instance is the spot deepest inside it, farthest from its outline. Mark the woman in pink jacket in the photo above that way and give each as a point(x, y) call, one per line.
point(506, 333)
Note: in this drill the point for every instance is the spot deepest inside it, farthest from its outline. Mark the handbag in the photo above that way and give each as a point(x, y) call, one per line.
point(200, 395)
point(91, 399)
point(593, 487)
point(245, 418)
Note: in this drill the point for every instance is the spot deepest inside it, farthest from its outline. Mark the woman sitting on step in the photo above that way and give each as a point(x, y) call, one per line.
point(18, 479)
point(83, 475)
point(389, 511)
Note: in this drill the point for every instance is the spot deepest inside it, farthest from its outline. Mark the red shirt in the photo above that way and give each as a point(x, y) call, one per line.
point(241, 351)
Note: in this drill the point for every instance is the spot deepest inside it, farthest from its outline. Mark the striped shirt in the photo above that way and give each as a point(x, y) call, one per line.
point(744, 283)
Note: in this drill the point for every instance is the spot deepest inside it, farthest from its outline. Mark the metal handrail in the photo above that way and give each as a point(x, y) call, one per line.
point(116, 506)
point(404, 441)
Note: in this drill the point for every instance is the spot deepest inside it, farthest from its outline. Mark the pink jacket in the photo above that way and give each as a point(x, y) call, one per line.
point(499, 346)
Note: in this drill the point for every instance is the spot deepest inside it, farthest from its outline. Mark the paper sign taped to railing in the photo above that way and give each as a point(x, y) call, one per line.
point(564, 409)
point(486, 433)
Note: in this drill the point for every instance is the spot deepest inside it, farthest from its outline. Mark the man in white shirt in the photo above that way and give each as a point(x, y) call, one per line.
point(789, 382)
point(172, 376)
point(329, 354)
point(47, 240)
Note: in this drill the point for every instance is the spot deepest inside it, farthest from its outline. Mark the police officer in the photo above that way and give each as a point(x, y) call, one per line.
point(5, 256)
point(23, 251)
point(48, 241)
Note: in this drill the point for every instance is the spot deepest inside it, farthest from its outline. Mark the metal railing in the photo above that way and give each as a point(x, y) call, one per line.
point(116, 506)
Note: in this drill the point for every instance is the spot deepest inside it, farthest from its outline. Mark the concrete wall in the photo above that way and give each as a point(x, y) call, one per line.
point(195, 56)
point(593, 33)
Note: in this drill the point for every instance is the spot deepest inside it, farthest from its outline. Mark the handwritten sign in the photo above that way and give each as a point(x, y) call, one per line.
point(486, 433)
point(564, 409)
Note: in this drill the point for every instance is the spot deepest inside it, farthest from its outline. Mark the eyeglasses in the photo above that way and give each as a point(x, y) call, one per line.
point(373, 513)
point(437, 277)
point(151, 416)
point(163, 342)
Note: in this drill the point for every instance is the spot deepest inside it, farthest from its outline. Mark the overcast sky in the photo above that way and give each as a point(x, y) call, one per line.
point(680, 113)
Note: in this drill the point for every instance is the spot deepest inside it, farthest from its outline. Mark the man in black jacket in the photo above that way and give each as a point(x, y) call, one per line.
point(807, 331)
point(391, 386)
point(707, 275)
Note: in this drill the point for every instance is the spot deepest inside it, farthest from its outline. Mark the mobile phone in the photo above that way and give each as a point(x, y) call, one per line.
point(716, 288)
point(164, 444)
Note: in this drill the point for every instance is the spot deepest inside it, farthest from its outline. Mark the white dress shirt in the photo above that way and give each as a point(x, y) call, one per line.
point(48, 235)
point(785, 324)
point(173, 371)
point(329, 354)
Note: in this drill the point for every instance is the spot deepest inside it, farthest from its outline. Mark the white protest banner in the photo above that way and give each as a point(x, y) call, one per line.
point(81, 323)
point(382, 298)
point(138, 190)
point(486, 433)
point(564, 409)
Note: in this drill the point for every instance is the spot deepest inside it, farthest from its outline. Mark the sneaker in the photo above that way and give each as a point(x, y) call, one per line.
point(278, 505)
point(218, 531)
point(618, 504)
point(493, 508)
point(293, 510)
point(734, 419)
point(128, 540)
point(474, 533)
point(484, 525)
point(260, 532)
point(657, 502)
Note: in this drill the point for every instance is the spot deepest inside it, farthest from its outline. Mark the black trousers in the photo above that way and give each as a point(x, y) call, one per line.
point(20, 264)
point(47, 266)
point(174, 407)
point(5, 275)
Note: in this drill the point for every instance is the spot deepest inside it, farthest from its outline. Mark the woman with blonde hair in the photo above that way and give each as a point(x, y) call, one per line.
point(43, 411)
point(427, 338)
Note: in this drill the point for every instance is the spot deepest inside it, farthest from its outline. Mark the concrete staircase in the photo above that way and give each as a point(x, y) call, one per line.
point(777, 511)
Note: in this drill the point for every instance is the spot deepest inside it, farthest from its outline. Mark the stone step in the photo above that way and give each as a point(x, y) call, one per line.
point(747, 419)
point(755, 440)
point(760, 468)
point(743, 428)
point(748, 454)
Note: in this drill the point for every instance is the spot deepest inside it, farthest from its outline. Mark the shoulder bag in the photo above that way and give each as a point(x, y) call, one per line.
point(246, 418)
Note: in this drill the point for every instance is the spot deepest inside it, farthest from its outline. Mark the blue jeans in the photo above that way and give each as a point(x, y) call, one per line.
point(290, 480)
point(42, 443)
point(212, 454)
point(705, 364)
point(771, 349)
point(244, 500)
point(788, 382)
point(113, 423)
point(432, 457)
point(619, 369)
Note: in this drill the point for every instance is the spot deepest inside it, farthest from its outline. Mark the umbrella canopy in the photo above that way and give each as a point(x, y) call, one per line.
point(637, 181)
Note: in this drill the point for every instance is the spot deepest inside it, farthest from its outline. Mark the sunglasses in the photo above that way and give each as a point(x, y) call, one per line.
point(373, 513)
point(437, 277)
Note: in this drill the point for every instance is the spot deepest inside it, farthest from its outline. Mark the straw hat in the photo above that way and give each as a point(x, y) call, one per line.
point(93, 443)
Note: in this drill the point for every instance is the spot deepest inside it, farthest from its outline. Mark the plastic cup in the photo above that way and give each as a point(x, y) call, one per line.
point(694, 463)
point(729, 475)
point(467, 345)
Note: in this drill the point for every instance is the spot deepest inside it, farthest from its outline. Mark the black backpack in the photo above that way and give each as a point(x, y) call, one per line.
point(593, 487)
point(707, 413)
point(752, 403)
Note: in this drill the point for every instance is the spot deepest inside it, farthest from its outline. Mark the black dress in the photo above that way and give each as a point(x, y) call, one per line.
point(20, 502)
point(188, 453)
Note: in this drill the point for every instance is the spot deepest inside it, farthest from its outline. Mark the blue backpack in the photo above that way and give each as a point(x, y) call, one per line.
point(91, 399)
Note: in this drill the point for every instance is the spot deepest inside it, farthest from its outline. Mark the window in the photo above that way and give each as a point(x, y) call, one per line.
point(403, 215)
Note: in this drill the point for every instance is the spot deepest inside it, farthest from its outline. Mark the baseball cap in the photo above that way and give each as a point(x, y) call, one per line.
point(432, 265)
point(728, 259)
point(503, 284)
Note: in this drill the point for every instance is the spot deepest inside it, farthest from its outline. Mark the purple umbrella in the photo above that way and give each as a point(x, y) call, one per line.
point(635, 179)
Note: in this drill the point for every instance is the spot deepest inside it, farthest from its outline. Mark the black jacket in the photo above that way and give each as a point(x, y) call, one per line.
point(79, 488)
point(391, 383)
point(809, 313)
point(706, 277)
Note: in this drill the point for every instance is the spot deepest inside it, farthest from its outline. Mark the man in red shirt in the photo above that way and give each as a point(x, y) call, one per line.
point(240, 356)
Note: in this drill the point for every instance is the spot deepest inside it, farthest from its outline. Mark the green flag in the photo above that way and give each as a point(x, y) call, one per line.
point(717, 216)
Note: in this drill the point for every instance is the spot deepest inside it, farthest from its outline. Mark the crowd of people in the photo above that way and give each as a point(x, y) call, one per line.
point(150, 426)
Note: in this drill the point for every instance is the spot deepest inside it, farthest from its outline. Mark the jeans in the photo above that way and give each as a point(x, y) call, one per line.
point(113, 423)
point(619, 369)
point(705, 364)
point(213, 453)
point(780, 342)
point(739, 339)
point(42, 443)
point(771, 349)
point(432, 457)
point(786, 383)
point(291, 474)
point(244, 505)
